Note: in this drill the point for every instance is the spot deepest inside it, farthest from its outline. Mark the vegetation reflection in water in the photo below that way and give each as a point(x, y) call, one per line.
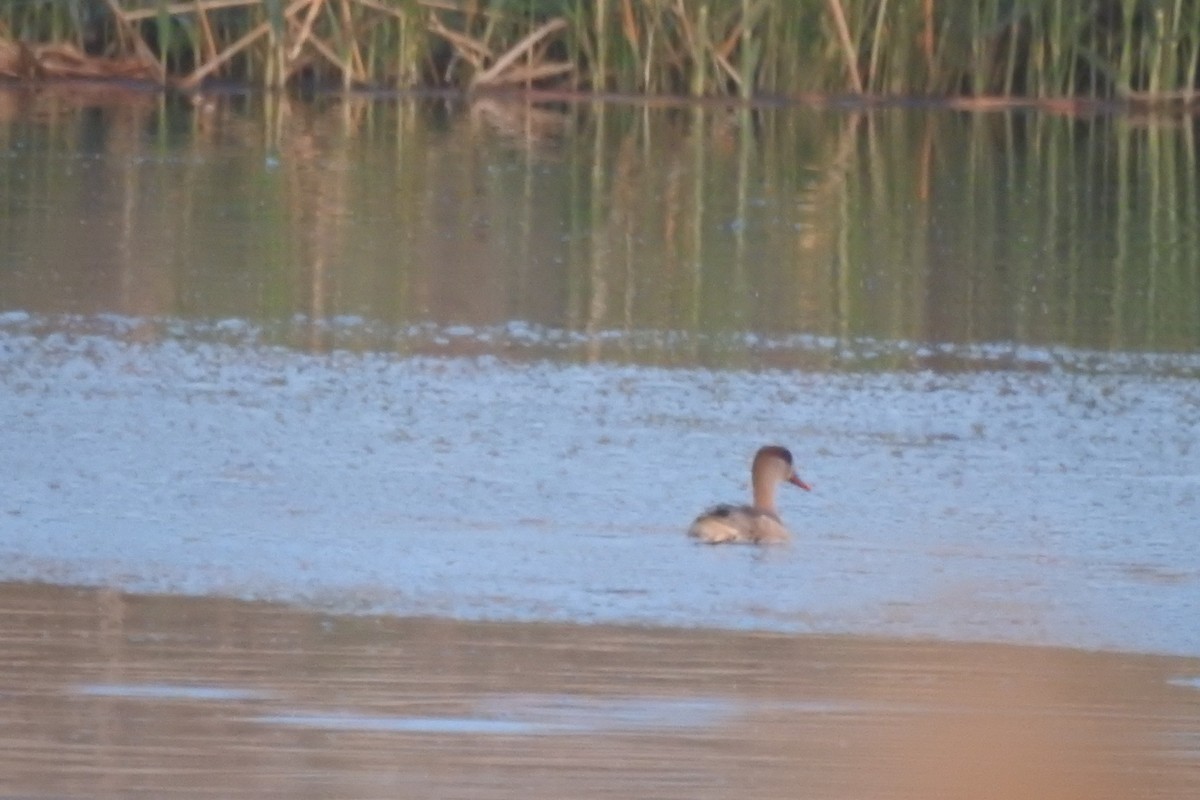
point(612, 223)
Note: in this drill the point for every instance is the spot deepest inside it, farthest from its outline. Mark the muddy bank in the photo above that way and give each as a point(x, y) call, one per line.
point(110, 695)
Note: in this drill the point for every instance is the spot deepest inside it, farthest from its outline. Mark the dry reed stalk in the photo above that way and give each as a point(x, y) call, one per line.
point(843, 32)
point(721, 52)
point(466, 47)
point(305, 31)
point(263, 28)
point(629, 27)
point(143, 52)
point(208, 40)
point(529, 74)
point(876, 44)
point(928, 47)
point(520, 48)
point(357, 70)
point(343, 66)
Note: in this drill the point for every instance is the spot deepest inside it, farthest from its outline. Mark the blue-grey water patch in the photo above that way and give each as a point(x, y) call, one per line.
point(377, 724)
point(162, 691)
point(1050, 506)
point(516, 714)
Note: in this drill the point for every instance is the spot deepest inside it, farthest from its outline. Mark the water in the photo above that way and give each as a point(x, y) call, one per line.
point(405, 363)
point(977, 505)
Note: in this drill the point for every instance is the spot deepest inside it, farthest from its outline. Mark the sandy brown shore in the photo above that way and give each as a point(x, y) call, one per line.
point(109, 695)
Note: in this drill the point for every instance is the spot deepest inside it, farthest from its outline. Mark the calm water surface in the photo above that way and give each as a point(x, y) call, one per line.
point(484, 363)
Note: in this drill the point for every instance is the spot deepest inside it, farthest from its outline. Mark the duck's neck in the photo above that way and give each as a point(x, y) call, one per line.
point(764, 494)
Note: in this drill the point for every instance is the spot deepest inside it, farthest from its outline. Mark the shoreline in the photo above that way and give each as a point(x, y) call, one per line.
point(1066, 105)
point(633, 628)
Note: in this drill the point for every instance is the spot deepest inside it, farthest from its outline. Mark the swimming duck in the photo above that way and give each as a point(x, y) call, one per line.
point(758, 523)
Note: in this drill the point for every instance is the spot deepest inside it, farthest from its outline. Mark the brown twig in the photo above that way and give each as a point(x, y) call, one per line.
point(305, 29)
point(505, 61)
point(843, 32)
point(468, 48)
point(143, 52)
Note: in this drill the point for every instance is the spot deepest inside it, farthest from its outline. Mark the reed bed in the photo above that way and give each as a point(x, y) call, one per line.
point(1095, 49)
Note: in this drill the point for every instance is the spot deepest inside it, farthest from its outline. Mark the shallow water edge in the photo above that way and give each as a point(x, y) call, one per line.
point(115, 695)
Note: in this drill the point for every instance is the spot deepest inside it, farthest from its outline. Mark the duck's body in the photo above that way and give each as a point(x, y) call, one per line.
point(726, 523)
point(758, 523)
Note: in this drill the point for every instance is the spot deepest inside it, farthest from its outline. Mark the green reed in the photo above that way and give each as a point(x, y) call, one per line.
point(1137, 49)
point(42, 20)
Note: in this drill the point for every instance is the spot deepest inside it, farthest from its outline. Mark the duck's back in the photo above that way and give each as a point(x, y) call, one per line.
point(734, 523)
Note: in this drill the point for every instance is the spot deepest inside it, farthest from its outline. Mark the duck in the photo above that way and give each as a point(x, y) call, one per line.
point(758, 523)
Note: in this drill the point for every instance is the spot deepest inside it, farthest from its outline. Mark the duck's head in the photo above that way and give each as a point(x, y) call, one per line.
point(774, 464)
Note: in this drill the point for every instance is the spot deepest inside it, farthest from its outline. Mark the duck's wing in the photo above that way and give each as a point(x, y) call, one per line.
point(724, 523)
